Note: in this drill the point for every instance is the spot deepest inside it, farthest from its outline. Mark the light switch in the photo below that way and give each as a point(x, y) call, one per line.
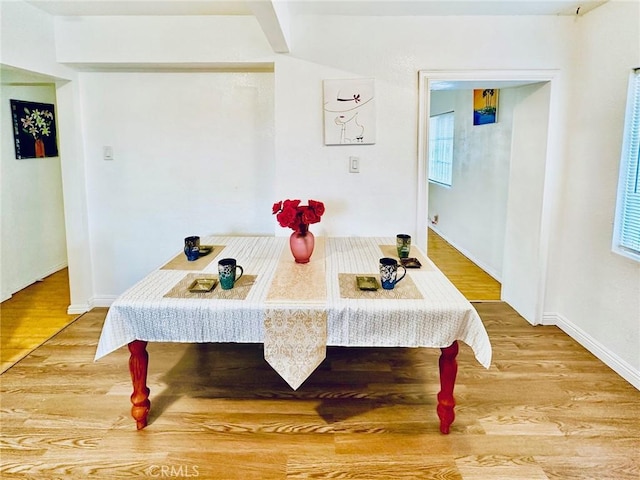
point(107, 152)
point(354, 164)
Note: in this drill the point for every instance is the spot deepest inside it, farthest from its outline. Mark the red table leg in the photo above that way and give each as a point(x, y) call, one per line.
point(448, 372)
point(138, 363)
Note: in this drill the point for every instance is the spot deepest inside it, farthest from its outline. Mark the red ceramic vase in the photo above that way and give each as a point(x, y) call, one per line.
point(302, 246)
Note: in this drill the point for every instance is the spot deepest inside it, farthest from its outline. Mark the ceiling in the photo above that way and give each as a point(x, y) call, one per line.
point(319, 7)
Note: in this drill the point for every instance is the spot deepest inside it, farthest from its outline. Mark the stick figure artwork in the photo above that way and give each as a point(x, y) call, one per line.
point(349, 112)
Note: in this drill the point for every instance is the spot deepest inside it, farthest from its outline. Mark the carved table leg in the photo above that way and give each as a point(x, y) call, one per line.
point(448, 372)
point(138, 363)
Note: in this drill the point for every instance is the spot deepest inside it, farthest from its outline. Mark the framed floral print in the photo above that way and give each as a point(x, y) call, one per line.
point(34, 129)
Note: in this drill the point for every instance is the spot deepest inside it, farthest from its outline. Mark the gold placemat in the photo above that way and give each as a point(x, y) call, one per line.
point(404, 290)
point(180, 262)
point(239, 291)
point(391, 251)
point(300, 282)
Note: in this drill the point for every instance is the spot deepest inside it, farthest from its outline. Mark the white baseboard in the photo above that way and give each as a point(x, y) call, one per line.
point(490, 271)
point(42, 275)
point(104, 301)
point(609, 358)
point(78, 308)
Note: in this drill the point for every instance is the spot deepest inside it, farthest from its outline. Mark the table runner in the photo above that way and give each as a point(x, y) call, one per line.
point(295, 336)
point(437, 319)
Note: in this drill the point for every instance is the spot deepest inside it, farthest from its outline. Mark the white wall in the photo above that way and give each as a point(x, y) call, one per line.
point(156, 40)
point(31, 196)
point(32, 232)
point(379, 200)
point(524, 266)
point(593, 293)
point(382, 198)
point(27, 39)
point(27, 42)
point(588, 287)
point(472, 212)
point(193, 155)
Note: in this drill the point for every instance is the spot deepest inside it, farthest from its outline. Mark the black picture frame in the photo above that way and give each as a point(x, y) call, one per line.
point(34, 129)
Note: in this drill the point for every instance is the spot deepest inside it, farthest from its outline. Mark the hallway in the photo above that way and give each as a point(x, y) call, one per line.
point(474, 283)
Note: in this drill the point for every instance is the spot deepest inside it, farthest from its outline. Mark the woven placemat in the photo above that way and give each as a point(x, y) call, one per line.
point(239, 291)
point(180, 262)
point(405, 290)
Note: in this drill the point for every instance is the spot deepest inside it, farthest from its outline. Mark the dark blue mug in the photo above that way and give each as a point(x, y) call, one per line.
point(389, 272)
point(192, 248)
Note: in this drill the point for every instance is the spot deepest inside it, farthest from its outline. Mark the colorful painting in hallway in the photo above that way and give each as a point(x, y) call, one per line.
point(485, 106)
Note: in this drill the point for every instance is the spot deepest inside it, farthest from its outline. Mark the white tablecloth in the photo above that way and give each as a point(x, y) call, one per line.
point(442, 316)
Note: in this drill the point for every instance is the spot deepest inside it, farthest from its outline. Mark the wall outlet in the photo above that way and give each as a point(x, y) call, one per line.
point(107, 153)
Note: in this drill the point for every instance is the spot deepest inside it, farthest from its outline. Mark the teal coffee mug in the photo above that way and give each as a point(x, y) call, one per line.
point(389, 272)
point(227, 273)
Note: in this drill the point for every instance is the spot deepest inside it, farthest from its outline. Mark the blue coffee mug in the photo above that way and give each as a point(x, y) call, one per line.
point(389, 273)
point(192, 247)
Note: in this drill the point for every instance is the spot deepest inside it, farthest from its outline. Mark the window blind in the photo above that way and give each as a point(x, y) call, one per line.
point(627, 231)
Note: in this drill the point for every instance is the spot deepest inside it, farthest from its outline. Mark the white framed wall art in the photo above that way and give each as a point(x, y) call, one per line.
point(349, 112)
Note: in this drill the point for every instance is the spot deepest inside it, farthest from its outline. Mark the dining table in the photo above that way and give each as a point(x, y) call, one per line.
point(295, 310)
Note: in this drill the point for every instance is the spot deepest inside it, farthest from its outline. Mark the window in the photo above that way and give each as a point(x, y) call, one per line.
point(441, 148)
point(626, 239)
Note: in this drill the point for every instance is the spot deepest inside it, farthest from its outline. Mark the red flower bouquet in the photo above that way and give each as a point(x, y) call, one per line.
point(298, 217)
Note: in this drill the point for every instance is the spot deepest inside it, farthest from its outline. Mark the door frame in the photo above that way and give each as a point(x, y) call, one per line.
point(551, 162)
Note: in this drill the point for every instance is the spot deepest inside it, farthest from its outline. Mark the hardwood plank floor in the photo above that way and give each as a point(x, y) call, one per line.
point(474, 283)
point(546, 409)
point(33, 315)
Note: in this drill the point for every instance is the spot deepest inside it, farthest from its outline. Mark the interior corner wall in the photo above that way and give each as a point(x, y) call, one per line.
point(33, 234)
point(593, 293)
point(472, 212)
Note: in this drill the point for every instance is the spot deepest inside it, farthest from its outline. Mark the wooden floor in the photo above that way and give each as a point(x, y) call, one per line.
point(474, 283)
point(546, 409)
point(32, 316)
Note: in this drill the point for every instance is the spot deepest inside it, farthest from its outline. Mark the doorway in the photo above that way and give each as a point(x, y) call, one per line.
point(33, 224)
point(513, 250)
point(33, 258)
